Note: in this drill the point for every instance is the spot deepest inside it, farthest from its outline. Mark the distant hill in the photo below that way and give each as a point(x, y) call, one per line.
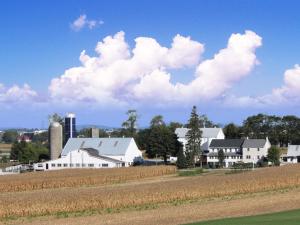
point(83, 126)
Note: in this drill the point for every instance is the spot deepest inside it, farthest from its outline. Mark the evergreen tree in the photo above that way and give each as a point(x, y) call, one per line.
point(194, 134)
point(221, 157)
point(181, 160)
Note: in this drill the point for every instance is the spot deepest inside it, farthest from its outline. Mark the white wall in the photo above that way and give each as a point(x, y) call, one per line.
point(76, 159)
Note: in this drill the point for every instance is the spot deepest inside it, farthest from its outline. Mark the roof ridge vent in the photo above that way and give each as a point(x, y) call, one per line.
point(116, 143)
point(82, 144)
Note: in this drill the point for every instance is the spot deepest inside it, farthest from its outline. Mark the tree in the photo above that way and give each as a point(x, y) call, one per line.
point(174, 125)
point(205, 122)
point(232, 131)
point(26, 152)
point(221, 157)
point(162, 141)
point(10, 136)
point(157, 121)
point(181, 160)
point(274, 155)
point(193, 148)
point(130, 125)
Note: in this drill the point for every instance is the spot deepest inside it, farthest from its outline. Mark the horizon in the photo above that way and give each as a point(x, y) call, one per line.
point(99, 59)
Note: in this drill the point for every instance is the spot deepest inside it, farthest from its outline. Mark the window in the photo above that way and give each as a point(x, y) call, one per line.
point(104, 165)
point(258, 149)
point(77, 164)
point(83, 165)
point(58, 165)
point(248, 157)
point(52, 165)
point(71, 165)
point(123, 164)
point(65, 165)
point(248, 149)
point(91, 165)
point(258, 157)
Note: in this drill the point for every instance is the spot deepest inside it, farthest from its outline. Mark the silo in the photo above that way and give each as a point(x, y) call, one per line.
point(56, 139)
point(94, 132)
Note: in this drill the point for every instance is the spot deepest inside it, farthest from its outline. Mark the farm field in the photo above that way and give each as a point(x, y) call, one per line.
point(172, 199)
point(286, 218)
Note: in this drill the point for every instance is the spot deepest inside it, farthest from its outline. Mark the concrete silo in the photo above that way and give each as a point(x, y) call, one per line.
point(55, 139)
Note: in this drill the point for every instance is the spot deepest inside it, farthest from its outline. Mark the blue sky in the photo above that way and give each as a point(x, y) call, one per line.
point(38, 44)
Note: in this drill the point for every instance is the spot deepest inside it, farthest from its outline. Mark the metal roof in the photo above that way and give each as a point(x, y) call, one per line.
point(206, 132)
point(94, 153)
point(293, 151)
point(104, 146)
point(226, 143)
point(254, 143)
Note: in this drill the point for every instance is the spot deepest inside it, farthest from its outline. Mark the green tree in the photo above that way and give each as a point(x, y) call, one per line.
point(232, 131)
point(162, 141)
point(10, 136)
point(29, 152)
point(174, 125)
point(221, 157)
point(274, 155)
point(130, 125)
point(157, 121)
point(193, 147)
point(181, 160)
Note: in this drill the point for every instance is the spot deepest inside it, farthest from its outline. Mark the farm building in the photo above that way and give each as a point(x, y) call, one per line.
point(208, 134)
point(232, 149)
point(293, 154)
point(94, 153)
point(255, 150)
point(238, 150)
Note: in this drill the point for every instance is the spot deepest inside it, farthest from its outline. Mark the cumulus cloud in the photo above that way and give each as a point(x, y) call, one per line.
point(17, 94)
point(287, 94)
point(118, 74)
point(82, 22)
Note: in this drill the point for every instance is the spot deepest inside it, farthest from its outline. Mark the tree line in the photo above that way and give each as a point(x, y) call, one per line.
point(281, 131)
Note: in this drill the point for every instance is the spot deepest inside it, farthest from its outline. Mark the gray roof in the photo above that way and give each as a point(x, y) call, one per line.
point(293, 150)
point(94, 153)
point(206, 132)
point(226, 143)
point(104, 146)
point(254, 143)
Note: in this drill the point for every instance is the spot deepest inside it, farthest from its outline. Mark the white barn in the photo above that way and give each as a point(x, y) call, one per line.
point(293, 154)
point(94, 153)
point(208, 134)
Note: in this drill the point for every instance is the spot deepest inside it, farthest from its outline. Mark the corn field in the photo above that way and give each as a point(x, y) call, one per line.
point(79, 177)
point(142, 193)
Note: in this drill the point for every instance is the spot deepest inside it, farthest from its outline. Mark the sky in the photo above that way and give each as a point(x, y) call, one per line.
point(231, 59)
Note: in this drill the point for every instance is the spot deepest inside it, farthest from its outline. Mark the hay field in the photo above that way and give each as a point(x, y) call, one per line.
point(142, 195)
point(79, 177)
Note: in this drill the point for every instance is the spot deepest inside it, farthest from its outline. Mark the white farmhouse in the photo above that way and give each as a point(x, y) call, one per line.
point(94, 153)
point(208, 134)
point(293, 154)
point(232, 149)
point(255, 150)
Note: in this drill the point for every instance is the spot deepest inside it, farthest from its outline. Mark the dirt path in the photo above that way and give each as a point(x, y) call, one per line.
point(190, 212)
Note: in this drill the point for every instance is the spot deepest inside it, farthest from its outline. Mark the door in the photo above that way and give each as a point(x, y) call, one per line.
point(46, 166)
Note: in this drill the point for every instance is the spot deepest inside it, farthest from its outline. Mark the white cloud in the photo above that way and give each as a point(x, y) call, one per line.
point(82, 22)
point(287, 94)
point(16, 94)
point(118, 74)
